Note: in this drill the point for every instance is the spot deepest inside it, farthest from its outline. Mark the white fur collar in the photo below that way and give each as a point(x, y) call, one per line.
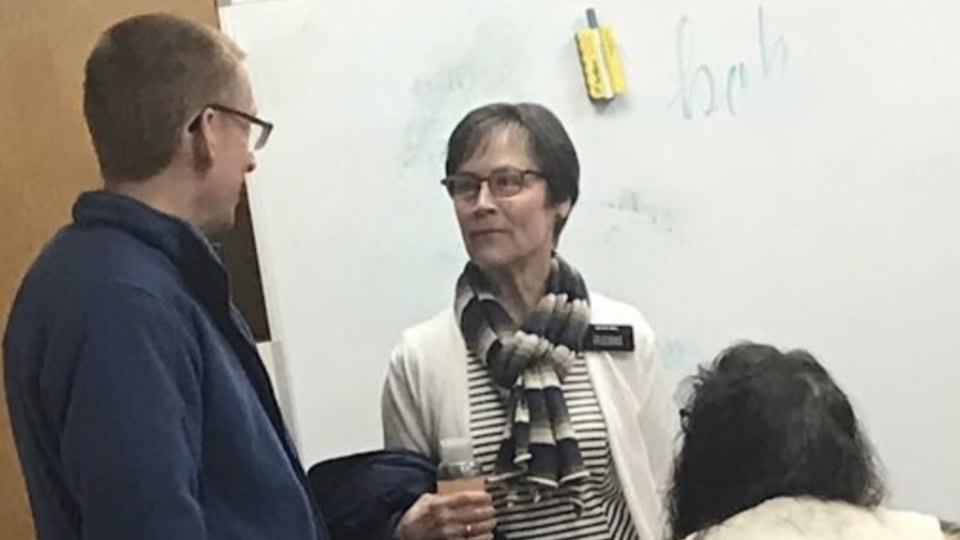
point(789, 518)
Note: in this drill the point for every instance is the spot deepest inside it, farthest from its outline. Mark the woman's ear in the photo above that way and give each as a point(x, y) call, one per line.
point(563, 213)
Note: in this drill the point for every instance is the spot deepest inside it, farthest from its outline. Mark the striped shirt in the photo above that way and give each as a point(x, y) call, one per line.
point(605, 517)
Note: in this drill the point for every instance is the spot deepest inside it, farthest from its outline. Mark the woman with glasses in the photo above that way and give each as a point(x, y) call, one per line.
point(556, 387)
point(772, 450)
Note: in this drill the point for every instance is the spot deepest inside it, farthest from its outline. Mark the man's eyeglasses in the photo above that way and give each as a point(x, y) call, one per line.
point(504, 182)
point(259, 129)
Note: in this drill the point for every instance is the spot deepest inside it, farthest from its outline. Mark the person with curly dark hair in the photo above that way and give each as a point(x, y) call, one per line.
point(773, 450)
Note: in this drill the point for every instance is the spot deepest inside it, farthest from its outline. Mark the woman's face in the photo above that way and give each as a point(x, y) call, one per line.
point(513, 222)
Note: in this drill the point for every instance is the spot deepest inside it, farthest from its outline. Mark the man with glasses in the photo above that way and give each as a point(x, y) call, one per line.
point(139, 405)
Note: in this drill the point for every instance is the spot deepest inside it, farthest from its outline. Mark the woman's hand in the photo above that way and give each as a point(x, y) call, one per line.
point(459, 516)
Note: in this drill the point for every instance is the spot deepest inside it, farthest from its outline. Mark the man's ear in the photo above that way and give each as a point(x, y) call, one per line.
point(203, 140)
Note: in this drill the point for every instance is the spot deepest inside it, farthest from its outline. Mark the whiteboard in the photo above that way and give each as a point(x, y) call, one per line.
point(785, 172)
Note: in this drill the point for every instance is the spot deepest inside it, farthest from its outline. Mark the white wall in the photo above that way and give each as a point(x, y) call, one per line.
point(813, 205)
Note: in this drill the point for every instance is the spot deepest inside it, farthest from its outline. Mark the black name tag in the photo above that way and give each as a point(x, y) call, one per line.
point(608, 337)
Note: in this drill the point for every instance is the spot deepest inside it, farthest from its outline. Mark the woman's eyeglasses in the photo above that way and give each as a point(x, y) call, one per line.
point(504, 182)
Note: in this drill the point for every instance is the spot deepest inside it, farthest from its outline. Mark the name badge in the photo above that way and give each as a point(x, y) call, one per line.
point(608, 337)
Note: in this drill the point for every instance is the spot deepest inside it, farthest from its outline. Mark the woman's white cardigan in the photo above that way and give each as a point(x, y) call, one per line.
point(425, 400)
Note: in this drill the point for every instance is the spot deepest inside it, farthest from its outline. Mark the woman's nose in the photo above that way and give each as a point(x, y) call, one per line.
point(485, 198)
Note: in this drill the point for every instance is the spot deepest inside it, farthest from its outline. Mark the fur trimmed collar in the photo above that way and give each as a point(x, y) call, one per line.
point(788, 518)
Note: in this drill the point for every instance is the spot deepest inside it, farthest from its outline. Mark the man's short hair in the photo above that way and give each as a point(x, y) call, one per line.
point(145, 79)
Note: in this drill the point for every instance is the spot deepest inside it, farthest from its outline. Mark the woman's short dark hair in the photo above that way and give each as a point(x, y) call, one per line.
point(549, 144)
point(761, 424)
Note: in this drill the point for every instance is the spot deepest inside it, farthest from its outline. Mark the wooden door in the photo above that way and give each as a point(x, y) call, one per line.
point(46, 160)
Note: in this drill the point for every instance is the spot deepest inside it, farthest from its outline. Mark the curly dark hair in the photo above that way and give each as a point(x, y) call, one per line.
point(760, 424)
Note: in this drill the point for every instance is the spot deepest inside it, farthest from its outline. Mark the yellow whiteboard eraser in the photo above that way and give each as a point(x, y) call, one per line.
point(611, 56)
point(592, 63)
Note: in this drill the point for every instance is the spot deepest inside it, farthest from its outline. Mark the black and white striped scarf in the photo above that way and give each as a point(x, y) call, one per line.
point(530, 363)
